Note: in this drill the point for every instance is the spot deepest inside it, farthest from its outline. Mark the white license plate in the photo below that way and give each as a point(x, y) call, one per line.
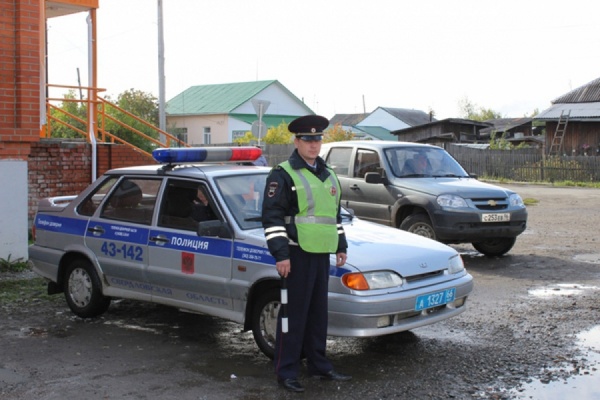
point(435, 299)
point(496, 217)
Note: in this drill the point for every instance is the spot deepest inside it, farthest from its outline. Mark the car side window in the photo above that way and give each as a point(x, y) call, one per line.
point(185, 204)
point(91, 203)
point(366, 161)
point(133, 200)
point(337, 159)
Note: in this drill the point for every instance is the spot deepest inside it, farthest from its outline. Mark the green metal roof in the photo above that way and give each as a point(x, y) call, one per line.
point(378, 132)
point(214, 99)
point(269, 120)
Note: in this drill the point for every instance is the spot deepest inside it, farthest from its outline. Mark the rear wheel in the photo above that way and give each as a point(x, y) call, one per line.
point(83, 290)
point(419, 224)
point(264, 321)
point(495, 247)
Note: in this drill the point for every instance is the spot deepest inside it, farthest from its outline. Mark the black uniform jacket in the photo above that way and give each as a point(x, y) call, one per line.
point(280, 201)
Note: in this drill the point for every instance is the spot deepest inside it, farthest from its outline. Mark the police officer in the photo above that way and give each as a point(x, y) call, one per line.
point(301, 217)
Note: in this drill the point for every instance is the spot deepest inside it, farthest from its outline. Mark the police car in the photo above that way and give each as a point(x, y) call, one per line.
point(137, 233)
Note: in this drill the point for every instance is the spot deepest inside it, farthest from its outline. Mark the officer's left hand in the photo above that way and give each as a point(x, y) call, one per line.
point(340, 259)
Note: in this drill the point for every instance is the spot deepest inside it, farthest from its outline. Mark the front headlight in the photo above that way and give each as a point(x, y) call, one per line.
point(455, 264)
point(451, 201)
point(516, 200)
point(372, 280)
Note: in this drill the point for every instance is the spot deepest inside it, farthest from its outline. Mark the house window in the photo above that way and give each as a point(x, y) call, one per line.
point(180, 133)
point(238, 134)
point(207, 135)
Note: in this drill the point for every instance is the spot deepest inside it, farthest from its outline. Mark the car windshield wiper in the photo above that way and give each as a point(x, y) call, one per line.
point(415, 176)
point(254, 219)
point(450, 176)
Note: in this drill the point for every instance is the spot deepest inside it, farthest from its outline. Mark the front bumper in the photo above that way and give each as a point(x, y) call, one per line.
point(461, 227)
point(356, 316)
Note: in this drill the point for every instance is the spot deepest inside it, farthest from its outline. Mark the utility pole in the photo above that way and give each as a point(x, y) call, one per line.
point(162, 118)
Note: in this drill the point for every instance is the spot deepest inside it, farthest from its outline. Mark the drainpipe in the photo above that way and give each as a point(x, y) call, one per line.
point(92, 93)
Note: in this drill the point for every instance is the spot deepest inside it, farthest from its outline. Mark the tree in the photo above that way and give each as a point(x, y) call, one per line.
point(246, 139)
point(337, 134)
point(474, 112)
point(279, 135)
point(142, 105)
point(70, 112)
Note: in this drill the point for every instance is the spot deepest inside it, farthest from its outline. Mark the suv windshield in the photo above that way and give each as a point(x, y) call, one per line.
point(411, 162)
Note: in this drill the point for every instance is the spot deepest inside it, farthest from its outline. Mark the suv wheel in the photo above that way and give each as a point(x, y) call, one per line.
point(495, 247)
point(264, 321)
point(83, 290)
point(419, 224)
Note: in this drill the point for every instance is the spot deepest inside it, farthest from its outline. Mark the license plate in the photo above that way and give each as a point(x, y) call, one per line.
point(435, 299)
point(496, 217)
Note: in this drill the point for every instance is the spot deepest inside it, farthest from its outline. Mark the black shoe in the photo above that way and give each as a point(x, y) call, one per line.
point(333, 376)
point(291, 385)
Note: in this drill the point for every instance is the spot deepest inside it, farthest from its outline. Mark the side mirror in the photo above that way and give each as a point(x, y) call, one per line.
point(214, 228)
point(374, 177)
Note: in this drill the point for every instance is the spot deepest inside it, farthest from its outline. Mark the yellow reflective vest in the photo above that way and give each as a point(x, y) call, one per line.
point(316, 221)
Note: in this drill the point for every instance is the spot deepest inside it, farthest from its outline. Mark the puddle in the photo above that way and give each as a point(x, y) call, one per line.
point(589, 258)
point(561, 289)
point(584, 384)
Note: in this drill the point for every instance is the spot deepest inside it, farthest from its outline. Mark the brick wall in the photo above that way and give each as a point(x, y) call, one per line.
point(20, 71)
point(64, 167)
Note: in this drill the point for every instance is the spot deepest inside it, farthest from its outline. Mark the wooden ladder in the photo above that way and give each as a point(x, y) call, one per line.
point(561, 128)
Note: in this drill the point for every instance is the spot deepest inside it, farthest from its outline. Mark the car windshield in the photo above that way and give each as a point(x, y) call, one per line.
point(243, 196)
point(418, 162)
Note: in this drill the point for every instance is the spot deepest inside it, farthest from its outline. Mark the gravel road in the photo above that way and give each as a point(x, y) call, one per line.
point(523, 324)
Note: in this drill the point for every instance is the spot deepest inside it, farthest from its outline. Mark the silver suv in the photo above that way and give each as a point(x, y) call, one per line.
point(421, 189)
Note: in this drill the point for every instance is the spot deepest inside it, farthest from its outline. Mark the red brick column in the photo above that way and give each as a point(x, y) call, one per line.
point(20, 72)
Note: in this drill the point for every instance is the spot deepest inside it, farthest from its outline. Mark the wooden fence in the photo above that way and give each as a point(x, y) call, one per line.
point(526, 165)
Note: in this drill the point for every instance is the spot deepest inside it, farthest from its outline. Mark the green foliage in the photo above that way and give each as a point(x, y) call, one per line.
point(77, 109)
point(474, 112)
point(279, 135)
point(18, 265)
point(246, 139)
point(142, 105)
point(337, 134)
point(502, 143)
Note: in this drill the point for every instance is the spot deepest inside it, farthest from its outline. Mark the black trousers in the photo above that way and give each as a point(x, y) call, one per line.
point(307, 285)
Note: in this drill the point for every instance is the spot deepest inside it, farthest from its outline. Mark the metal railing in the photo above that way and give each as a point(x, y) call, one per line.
point(104, 111)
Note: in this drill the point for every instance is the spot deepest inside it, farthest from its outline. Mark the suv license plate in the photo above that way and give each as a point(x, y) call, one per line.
point(497, 217)
point(435, 299)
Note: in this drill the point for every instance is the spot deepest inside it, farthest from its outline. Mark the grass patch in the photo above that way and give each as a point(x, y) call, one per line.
point(18, 265)
point(24, 291)
point(530, 201)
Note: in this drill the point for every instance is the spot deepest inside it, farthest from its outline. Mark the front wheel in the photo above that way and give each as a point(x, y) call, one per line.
point(495, 247)
point(264, 321)
point(83, 290)
point(419, 224)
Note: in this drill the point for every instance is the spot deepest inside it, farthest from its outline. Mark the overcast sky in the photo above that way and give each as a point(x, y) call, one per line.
point(344, 56)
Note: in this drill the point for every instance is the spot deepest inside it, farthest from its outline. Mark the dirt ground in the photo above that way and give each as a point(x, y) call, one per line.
point(522, 325)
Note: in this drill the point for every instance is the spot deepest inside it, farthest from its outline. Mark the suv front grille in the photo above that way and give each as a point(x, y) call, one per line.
point(486, 204)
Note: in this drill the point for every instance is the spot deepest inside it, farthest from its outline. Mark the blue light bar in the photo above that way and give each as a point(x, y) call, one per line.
point(173, 155)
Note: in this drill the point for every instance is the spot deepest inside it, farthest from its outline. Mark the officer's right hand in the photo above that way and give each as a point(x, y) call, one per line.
point(283, 267)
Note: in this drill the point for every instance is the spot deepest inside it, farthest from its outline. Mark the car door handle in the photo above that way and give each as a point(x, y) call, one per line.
point(160, 239)
point(355, 187)
point(96, 230)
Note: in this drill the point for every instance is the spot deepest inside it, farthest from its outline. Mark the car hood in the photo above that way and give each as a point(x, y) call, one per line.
point(374, 247)
point(464, 187)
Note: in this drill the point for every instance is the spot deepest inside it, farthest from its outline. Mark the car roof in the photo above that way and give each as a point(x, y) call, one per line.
point(189, 170)
point(379, 144)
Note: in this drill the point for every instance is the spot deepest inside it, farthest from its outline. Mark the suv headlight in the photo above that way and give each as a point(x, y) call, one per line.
point(372, 280)
point(455, 264)
point(451, 201)
point(516, 200)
